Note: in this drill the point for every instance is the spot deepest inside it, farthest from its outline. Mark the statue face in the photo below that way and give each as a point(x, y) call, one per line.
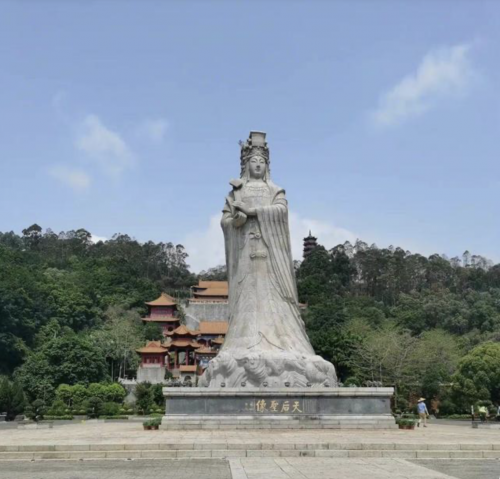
point(257, 167)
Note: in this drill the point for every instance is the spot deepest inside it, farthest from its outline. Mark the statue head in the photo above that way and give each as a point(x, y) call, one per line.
point(254, 158)
point(257, 167)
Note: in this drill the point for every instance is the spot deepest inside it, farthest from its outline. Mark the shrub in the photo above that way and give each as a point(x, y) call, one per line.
point(110, 409)
point(114, 393)
point(406, 421)
point(79, 394)
point(36, 410)
point(94, 406)
point(58, 418)
point(79, 412)
point(58, 408)
point(457, 416)
point(12, 399)
point(156, 421)
point(75, 396)
point(96, 390)
point(157, 391)
point(64, 393)
point(447, 407)
point(144, 395)
point(409, 416)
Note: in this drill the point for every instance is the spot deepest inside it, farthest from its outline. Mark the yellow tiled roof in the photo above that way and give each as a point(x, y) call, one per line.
point(213, 327)
point(163, 300)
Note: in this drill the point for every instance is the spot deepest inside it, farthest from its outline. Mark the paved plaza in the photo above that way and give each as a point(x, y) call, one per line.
point(98, 450)
point(96, 432)
point(256, 468)
point(196, 468)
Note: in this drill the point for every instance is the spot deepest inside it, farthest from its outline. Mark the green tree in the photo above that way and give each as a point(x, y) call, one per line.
point(121, 334)
point(385, 355)
point(32, 236)
point(433, 362)
point(478, 376)
point(67, 359)
point(152, 332)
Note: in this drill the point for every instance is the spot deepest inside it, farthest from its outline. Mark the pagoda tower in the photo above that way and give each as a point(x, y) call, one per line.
point(163, 311)
point(310, 243)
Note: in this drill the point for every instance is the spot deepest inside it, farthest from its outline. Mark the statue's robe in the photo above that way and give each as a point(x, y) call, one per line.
point(266, 343)
point(264, 313)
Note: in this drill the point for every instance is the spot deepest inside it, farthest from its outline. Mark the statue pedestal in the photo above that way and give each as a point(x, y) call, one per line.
point(278, 408)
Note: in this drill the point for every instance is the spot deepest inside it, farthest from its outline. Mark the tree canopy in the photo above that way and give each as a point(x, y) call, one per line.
point(400, 319)
point(67, 280)
point(70, 313)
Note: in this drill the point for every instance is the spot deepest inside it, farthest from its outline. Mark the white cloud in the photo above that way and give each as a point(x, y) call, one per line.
point(442, 72)
point(95, 239)
point(75, 178)
point(104, 146)
point(153, 130)
point(206, 247)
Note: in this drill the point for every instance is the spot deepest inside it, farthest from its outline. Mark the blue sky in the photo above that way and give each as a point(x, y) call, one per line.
point(383, 118)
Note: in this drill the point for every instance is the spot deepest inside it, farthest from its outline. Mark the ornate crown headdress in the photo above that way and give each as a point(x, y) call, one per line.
point(255, 145)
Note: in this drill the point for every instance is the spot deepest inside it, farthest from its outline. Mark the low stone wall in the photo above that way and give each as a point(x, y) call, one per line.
point(219, 408)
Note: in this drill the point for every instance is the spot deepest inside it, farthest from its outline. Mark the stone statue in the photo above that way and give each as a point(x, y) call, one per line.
point(266, 344)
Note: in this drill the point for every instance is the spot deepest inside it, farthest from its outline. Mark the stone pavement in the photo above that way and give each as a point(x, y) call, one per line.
point(247, 454)
point(253, 468)
point(131, 433)
point(194, 469)
point(467, 469)
point(309, 468)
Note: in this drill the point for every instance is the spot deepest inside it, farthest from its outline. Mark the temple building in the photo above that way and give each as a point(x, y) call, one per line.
point(181, 344)
point(185, 350)
point(210, 291)
point(152, 367)
point(209, 302)
point(164, 312)
point(211, 338)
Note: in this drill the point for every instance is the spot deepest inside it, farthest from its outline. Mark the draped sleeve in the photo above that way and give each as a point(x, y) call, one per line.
point(273, 221)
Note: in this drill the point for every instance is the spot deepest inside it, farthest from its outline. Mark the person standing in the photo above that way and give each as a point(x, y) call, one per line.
point(423, 413)
point(483, 413)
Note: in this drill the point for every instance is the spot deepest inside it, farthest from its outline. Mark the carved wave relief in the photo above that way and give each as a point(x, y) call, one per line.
point(268, 369)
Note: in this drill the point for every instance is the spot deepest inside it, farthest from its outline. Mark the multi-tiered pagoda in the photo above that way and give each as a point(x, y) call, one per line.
point(310, 243)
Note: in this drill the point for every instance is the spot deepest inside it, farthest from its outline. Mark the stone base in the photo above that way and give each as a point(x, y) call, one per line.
point(283, 408)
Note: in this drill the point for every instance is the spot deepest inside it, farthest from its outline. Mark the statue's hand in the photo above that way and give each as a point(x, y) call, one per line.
point(239, 205)
point(239, 219)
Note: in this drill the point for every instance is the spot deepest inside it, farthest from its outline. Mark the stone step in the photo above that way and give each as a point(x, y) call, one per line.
point(250, 446)
point(226, 453)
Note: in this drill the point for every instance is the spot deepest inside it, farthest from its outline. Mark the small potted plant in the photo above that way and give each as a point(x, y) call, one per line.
point(406, 423)
point(152, 424)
